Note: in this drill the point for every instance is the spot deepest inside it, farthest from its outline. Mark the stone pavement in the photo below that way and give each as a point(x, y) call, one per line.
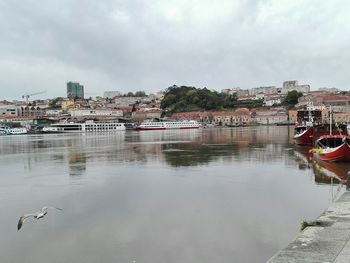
point(327, 241)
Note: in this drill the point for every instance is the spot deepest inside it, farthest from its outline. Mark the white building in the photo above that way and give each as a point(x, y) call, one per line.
point(290, 84)
point(293, 85)
point(268, 117)
point(247, 97)
point(53, 112)
point(265, 90)
point(272, 119)
point(272, 99)
point(23, 121)
point(156, 96)
point(126, 101)
point(330, 90)
point(260, 96)
point(9, 110)
point(231, 91)
point(238, 91)
point(90, 112)
point(111, 94)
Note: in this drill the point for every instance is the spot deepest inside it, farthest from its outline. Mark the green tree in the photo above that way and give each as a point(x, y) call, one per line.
point(167, 101)
point(55, 103)
point(185, 98)
point(292, 98)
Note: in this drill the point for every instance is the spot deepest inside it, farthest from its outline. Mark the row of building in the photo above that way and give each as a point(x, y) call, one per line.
point(286, 87)
point(243, 117)
point(273, 96)
point(114, 105)
point(239, 117)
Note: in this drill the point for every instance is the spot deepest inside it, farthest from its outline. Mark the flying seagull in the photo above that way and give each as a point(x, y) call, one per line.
point(36, 215)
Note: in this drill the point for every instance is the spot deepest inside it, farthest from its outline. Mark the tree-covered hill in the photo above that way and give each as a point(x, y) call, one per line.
point(184, 98)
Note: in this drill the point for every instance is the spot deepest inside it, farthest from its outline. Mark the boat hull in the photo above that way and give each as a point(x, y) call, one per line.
point(305, 138)
point(339, 154)
point(187, 128)
point(149, 129)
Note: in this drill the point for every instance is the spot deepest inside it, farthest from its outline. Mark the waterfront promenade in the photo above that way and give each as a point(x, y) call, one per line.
point(327, 241)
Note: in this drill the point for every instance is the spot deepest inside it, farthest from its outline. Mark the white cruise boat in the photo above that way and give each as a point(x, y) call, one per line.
point(167, 125)
point(6, 130)
point(88, 126)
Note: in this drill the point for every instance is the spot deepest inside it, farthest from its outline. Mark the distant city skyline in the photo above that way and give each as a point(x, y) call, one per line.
point(44, 94)
point(126, 46)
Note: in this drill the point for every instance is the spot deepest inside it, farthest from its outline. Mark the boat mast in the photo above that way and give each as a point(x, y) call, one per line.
point(310, 117)
point(330, 119)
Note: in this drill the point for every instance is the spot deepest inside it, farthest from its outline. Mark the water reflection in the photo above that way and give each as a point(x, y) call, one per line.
point(327, 172)
point(302, 157)
point(76, 163)
point(324, 172)
point(211, 195)
point(178, 148)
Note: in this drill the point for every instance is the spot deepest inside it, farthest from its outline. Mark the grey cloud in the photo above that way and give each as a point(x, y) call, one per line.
point(147, 45)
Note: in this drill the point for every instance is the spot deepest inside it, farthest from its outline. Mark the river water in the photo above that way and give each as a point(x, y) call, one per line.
point(210, 195)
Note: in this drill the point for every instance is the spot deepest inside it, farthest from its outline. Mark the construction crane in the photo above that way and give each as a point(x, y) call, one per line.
point(26, 96)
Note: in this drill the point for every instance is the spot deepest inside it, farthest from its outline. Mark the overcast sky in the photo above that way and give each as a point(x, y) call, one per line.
point(149, 45)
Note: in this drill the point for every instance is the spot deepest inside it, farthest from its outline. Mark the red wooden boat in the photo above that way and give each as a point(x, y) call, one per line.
point(303, 135)
point(334, 148)
point(304, 129)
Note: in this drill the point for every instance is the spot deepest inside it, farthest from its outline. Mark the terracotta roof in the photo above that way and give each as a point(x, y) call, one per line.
point(191, 113)
point(231, 113)
point(242, 111)
point(123, 108)
point(16, 117)
point(332, 97)
point(153, 111)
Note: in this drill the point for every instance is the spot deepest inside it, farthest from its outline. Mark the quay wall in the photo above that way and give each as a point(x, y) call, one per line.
point(326, 241)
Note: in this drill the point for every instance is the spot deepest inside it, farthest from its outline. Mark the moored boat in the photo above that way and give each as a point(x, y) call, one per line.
point(304, 128)
point(88, 126)
point(6, 130)
point(167, 125)
point(303, 134)
point(334, 148)
point(309, 128)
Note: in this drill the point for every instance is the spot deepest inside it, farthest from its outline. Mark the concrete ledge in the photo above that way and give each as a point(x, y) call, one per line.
point(326, 242)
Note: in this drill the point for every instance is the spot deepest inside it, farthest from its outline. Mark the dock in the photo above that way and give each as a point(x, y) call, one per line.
point(328, 240)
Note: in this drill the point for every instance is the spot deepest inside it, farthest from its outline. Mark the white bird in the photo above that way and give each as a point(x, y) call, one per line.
point(36, 215)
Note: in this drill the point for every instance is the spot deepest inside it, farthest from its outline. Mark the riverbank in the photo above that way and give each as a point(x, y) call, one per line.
point(327, 241)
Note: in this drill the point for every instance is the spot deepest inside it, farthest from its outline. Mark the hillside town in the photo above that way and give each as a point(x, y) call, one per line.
point(135, 108)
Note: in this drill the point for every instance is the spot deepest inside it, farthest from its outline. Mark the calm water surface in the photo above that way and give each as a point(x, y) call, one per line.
point(211, 195)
